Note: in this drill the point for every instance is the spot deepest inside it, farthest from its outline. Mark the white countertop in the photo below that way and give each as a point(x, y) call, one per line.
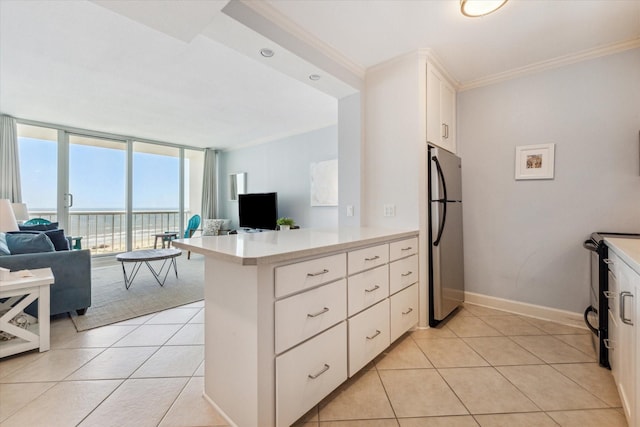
point(274, 246)
point(627, 249)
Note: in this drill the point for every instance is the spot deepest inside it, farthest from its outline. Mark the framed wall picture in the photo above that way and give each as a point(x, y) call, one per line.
point(324, 183)
point(535, 161)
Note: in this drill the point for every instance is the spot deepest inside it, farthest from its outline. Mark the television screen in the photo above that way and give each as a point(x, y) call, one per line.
point(258, 210)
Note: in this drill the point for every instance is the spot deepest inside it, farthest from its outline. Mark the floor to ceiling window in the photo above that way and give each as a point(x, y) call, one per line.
point(96, 199)
point(156, 192)
point(109, 193)
point(38, 151)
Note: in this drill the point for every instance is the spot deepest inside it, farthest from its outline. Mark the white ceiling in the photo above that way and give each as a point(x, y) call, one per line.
point(186, 72)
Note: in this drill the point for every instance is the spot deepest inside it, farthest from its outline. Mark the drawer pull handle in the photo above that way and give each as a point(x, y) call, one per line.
point(609, 344)
point(623, 315)
point(607, 261)
point(408, 273)
point(609, 294)
point(408, 248)
point(408, 311)
point(322, 371)
point(372, 258)
point(319, 273)
point(324, 310)
point(375, 288)
point(374, 335)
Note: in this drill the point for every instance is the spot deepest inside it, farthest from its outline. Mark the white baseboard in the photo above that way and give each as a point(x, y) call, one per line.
point(219, 410)
point(539, 312)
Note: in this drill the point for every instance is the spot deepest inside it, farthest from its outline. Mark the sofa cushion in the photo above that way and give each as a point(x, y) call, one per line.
point(38, 227)
point(28, 243)
point(57, 237)
point(4, 249)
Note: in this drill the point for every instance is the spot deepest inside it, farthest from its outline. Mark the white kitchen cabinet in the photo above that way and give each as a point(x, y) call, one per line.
point(441, 110)
point(304, 315)
point(309, 372)
point(368, 335)
point(624, 330)
point(311, 308)
point(403, 311)
point(626, 341)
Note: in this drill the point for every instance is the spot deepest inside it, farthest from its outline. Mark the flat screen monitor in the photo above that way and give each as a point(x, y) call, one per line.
point(258, 210)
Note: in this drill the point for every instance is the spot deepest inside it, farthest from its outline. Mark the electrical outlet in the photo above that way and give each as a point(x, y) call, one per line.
point(349, 210)
point(389, 210)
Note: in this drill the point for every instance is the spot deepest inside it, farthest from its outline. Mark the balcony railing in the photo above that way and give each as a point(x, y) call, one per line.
point(105, 232)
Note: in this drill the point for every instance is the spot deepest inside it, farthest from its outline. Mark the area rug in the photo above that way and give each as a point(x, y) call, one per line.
point(112, 302)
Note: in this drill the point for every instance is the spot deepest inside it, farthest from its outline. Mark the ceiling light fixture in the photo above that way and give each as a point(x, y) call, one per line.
point(477, 8)
point(314, 77)
point(267, 53)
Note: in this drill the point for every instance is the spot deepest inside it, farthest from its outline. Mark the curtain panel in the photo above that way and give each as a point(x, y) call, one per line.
point(9, 161)
point(209, 185)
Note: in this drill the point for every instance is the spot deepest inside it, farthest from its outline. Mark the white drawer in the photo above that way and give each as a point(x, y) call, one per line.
point(310, 372)
point(403, 248)
point(309, 313)
point(364, 259)
point(367, 288)
point(368, 335)
point(403, 273)
point(307, 274)
point(403, 308)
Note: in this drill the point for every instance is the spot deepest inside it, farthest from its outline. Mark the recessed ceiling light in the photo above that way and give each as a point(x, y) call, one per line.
point(267, 53)
point(315, 77)
point(477, 8)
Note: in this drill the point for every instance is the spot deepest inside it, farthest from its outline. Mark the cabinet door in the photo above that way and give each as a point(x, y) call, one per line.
point(309, 372)
point(434, 134)
point(441, 111)
point(368, 335)
point(627, 340)
point(448, 116)
point(304, 315)
point(403, 311)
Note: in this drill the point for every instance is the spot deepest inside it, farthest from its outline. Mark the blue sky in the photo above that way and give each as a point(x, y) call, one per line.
point(97, 177)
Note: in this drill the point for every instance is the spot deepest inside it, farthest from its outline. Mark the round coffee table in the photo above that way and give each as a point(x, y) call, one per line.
point(144, 256)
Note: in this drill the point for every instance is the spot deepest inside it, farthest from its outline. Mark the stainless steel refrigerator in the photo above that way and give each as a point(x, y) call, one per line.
point(446, 264)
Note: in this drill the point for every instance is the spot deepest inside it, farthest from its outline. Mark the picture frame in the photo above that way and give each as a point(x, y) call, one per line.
point(535, 161)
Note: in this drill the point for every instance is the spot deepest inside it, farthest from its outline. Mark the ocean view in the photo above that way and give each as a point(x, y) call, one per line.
point(104, 231)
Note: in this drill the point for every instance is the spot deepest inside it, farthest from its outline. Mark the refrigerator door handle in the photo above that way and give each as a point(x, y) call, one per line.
point(443, 201)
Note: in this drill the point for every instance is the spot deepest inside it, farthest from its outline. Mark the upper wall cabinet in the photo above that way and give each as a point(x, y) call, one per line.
point(441, 110)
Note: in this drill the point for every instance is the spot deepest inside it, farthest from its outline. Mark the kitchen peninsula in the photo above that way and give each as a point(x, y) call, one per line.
point(290, 315)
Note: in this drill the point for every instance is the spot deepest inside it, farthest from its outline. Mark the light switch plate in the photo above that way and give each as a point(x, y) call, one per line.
point(389, 210)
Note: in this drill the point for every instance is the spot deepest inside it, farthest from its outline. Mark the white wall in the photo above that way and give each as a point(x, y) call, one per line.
point(393, 145)
point(350, 146)
point(282, 166)
point(523, 239)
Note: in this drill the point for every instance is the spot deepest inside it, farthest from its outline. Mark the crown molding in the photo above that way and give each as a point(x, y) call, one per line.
point(276, 17)
point(552, 63)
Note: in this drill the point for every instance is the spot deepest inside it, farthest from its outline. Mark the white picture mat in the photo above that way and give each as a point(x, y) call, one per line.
point(324, 183)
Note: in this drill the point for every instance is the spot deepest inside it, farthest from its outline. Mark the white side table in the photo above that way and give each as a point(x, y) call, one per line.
point(31, 288)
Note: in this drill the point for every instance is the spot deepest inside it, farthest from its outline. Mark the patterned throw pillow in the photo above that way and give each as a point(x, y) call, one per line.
point(211, 227)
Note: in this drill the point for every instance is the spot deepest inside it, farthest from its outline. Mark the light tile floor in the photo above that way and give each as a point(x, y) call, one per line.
point(481, 368)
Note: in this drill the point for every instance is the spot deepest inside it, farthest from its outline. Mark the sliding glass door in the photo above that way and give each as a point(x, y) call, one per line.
point(96, 200)
point(110, 194)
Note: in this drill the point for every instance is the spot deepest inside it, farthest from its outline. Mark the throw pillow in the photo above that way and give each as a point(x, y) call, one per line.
point(57, 237)
point(29, 243)
point(38, 227)
point(4, 249)
point(211, 227)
